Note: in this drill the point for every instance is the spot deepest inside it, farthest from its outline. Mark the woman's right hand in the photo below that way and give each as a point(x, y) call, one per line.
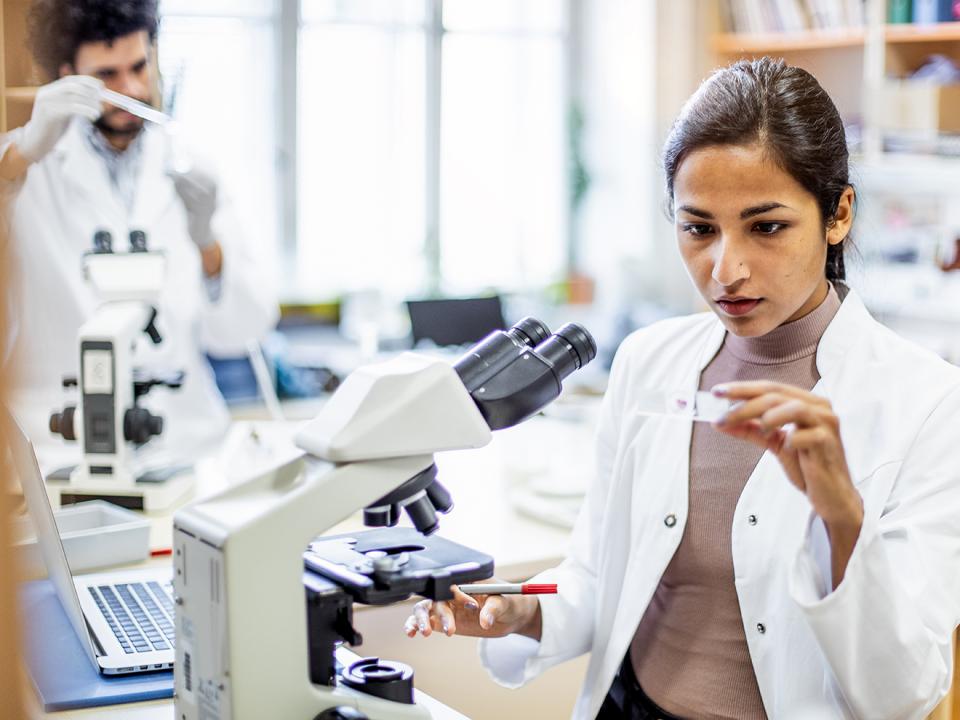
point(487, 616)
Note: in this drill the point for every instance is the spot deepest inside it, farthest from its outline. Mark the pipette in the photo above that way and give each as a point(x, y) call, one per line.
point(134, 107)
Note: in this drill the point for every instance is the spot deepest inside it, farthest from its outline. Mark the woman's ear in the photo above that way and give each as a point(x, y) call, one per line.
point(843, 219)
point(66, 69)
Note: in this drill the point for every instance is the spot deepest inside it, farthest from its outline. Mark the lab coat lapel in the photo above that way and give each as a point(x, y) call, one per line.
point(87, 181)
point(673, 453)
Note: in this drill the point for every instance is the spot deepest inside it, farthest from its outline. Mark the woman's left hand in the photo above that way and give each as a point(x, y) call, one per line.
point(802, 430)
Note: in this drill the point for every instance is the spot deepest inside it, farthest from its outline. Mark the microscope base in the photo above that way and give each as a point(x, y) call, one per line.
point(146, 496)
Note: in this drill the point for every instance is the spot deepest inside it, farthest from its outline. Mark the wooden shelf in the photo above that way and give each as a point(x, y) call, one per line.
point(778, 42)
point(20, 93)
point(731, 43)
point(909, 33)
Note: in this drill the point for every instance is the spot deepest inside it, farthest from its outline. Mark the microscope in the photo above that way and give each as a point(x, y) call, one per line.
point(259, 619)
point(107, 420)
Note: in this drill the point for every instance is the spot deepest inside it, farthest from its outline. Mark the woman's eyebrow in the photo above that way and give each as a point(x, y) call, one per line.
point(690, 210)
point(760, 209)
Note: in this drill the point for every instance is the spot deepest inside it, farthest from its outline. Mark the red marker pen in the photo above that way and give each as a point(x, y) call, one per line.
point(509, 589)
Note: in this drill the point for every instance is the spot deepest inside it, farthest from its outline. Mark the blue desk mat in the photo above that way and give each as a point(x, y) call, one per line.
point(61, 670)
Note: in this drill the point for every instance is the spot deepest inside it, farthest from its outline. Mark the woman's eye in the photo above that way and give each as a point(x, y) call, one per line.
point(697, 229)
point(769, 228)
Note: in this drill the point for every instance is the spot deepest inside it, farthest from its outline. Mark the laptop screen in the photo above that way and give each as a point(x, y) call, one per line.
point(453, 321)
point(48, 536)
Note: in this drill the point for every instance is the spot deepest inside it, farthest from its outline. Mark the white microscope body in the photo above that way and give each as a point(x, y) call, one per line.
point(107, 421)
point(243, 646)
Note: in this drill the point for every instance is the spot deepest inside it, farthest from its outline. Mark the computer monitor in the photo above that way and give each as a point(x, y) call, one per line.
point(455, 321)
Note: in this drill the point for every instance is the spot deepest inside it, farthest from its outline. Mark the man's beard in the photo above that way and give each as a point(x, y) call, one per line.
point(130, 131)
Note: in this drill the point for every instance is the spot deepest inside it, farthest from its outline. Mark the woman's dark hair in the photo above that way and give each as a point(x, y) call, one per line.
point(786, 111)
point(56, 28)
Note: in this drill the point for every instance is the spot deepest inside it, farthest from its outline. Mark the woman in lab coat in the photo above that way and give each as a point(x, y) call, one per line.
point(800, 558)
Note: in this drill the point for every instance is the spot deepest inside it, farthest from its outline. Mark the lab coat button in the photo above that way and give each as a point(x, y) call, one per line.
point(761, 628)
point(670, 520)
point(752, 519)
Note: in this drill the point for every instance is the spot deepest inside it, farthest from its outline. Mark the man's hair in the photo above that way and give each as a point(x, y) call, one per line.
point(56, 28)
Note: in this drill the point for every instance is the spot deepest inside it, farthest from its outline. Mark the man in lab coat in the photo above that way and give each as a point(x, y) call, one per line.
point(80, 166)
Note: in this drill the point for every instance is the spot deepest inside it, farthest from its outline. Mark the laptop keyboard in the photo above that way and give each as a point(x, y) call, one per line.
point(139, 614)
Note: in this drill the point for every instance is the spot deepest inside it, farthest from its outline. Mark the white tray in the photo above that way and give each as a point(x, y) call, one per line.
point(95, 534)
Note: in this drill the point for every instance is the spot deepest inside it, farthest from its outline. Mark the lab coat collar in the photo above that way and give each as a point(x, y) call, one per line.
point(842, 336)
point(86, 174)
point(838, 339)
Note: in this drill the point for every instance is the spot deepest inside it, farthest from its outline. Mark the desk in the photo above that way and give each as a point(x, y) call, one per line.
point(481, 519)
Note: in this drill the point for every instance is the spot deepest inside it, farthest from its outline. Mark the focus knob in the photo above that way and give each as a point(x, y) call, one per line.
point(61, 423)
point(139, 425)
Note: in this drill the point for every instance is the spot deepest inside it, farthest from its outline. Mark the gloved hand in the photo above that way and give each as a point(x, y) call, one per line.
point(197, 189)
point(53, 108)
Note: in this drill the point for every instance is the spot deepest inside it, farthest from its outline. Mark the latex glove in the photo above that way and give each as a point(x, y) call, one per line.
point(55, 105)
point(197, 189)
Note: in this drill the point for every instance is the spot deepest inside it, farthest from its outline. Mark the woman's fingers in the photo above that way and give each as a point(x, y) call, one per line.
point(752, 409)
point(445, 618)
point(491, 611)
point(747, 390)
point(410, 626)
point(468, 601)
point(421, 614)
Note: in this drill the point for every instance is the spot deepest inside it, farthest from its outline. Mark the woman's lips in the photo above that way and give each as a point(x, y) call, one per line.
point(738, 307)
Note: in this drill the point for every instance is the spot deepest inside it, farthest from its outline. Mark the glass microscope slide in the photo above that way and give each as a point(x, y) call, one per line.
point(683, 404)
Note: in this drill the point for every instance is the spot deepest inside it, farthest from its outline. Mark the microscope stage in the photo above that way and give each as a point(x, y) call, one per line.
point(387, 565)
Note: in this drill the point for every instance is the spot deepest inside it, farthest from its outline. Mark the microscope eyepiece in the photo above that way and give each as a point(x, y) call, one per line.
point(530, 331)
point(497, 350)
point(138, 241)
point(568, 349)
point(102, 242)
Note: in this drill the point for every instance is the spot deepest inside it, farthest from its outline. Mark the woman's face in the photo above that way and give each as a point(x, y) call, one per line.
point(752, 238)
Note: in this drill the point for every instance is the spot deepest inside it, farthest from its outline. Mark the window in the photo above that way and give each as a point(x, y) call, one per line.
point(222, 92)
point(503, 176)
point(430, 143)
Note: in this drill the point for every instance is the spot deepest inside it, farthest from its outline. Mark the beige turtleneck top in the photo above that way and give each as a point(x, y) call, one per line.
point(690, 652)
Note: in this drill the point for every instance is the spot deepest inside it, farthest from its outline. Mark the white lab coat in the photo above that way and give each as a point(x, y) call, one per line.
point(55, 211)
point(877, 647)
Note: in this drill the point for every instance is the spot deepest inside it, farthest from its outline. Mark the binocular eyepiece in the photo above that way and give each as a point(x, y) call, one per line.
point(568, 349)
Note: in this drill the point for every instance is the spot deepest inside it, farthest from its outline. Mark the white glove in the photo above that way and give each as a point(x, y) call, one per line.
point(53, 108)
point(197, 189)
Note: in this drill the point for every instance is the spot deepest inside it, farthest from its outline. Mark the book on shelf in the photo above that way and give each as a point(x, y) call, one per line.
point(791, 16)
point(927, 12)
point(899, 12)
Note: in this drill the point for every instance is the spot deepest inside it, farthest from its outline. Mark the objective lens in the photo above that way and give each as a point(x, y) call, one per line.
point(423, 515)
point(568, 349)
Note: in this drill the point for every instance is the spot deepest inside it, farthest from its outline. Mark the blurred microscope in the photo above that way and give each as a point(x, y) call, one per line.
point(245, 646)
point(107, 420)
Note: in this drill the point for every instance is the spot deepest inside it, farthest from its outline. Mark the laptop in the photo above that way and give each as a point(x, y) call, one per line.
point(454, 321)
point(124, 619)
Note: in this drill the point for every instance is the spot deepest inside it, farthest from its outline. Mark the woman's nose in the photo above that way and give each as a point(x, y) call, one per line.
point(730, 263)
